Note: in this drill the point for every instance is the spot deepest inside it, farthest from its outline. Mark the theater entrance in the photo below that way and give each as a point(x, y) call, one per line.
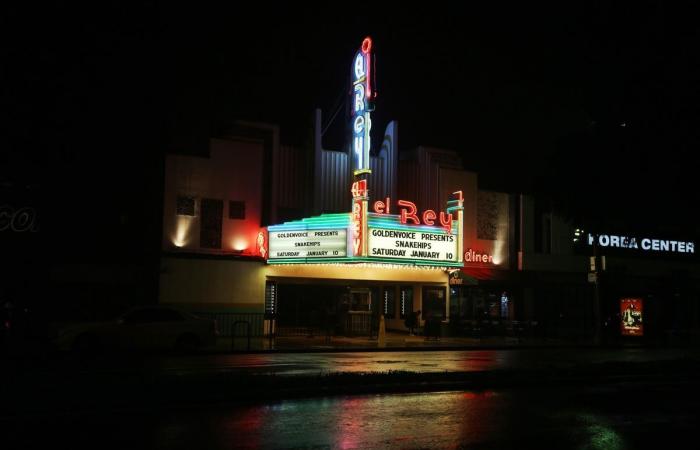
point(326, 309)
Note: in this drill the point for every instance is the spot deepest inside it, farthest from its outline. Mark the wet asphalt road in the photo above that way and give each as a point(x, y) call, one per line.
point(416, 361)
point(644, 413)
point(608, 417)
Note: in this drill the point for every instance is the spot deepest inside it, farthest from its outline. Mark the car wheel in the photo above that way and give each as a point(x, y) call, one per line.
point(187, 343)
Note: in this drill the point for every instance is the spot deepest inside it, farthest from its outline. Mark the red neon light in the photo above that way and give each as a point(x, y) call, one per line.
point(382, 207)
point(359, 189)
point(477, 256)
point(429, 217)
point(357, 227)
point(446, 220)
point(410, 213)
point(366, 48)
point(368, 90)
point(379, 207)
point(262, 243)
point(367, 45)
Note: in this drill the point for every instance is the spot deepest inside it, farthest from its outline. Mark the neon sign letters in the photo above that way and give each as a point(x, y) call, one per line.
point(646, 244)
point(359, 195)
point(409, 214)
point(477, 257)
point(362, 96)
point(262, 245)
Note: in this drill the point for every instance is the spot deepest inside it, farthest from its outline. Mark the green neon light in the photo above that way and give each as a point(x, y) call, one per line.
point(324, 221)
point(354, 260)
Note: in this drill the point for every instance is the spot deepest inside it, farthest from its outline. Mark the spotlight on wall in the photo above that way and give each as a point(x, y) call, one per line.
point(239, 244)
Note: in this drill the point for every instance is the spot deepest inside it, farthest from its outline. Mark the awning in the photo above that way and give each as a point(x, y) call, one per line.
point(471, 276)
point(480, 273)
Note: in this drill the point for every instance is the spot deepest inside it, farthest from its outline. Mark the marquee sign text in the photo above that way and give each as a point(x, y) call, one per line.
point(386, 243)
point(308, 244)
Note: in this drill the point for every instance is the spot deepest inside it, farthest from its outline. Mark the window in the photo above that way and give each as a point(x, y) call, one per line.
point(360, 300)
point(210, 230)
point(406, 299)
point(185, 205)
point(389, 302)
point(236, 210)
point(488, 204)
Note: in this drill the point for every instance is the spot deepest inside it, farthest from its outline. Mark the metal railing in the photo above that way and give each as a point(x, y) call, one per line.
point(234, 335)
point(294, 331)
point(225, 322)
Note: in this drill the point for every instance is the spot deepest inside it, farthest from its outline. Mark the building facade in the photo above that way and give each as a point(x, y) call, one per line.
point(337, 239)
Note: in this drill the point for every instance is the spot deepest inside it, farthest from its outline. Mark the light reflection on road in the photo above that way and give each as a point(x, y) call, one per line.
point(413, 361)
point(485, 419)
point(616, 417)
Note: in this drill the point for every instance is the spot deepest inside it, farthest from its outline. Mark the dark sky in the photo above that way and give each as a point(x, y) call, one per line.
point(584, 101)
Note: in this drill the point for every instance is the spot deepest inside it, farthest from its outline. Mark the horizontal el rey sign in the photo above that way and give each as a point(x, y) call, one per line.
point(408, 244)
point(308, 243)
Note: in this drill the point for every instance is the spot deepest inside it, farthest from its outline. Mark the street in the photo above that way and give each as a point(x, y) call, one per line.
point(320, 363)
point(603, 417)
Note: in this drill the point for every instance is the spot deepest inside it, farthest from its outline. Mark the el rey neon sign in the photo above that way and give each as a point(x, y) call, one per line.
point(409, 213)
point(362, 96)
point(359, 196)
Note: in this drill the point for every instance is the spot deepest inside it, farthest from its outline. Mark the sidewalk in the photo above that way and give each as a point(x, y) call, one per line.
point(392, 341)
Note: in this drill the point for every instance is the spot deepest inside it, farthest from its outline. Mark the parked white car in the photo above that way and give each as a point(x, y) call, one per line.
point(147, 328)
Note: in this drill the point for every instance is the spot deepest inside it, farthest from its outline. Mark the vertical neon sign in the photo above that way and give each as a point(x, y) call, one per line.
point(362, 97)
point(358, 219)
point(262, 243)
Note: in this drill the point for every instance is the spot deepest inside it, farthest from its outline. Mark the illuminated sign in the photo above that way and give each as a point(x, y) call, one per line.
point(403, 244)
point(646, 244)
point(480, 257)
point(359, 200)
point(20, 220)
point(262, 244)
point(361, 236)
point(362, 96)
point(270, 299)
point(456, 277)
point(631, 311)
point(308, 244)
point(408, 213)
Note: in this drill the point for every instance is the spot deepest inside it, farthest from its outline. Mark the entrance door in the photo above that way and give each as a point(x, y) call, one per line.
point(434, 303)
point(358, 321)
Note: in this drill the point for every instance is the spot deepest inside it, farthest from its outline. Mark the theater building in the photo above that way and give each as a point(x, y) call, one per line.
point(253, 221)
point(223, 244)
point(334, 239)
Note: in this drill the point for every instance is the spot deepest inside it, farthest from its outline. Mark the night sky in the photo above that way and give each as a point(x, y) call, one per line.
point(596, 107)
